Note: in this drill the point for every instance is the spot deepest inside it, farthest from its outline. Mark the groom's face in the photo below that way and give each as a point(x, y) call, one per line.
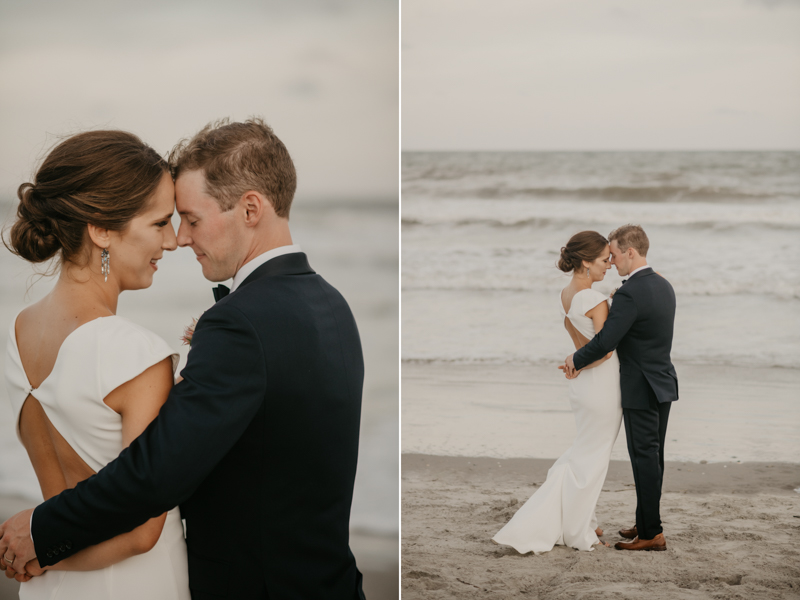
point(619, 259)
point(213, 235)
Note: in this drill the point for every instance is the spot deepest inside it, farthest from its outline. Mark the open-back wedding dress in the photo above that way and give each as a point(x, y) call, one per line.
point(92, 361)
point(562, 511)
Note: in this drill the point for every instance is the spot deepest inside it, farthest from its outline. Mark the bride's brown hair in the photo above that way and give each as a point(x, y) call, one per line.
point(100, 177)
point(586, 245)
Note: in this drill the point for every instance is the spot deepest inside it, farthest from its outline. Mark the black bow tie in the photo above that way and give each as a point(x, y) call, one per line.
point(220, 292)
point(623, 282)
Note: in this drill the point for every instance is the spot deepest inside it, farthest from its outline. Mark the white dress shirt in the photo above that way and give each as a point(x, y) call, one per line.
point(259, 260)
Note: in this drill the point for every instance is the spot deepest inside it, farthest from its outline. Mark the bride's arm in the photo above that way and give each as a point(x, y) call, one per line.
point(138, 402)
point(598, 315)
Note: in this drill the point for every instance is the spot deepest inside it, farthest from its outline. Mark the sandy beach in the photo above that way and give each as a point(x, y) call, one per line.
point(731, 531)
point(478, 440)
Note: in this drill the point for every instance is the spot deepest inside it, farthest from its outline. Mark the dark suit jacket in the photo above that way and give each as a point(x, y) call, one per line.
point(258, 444)
point(639, 326)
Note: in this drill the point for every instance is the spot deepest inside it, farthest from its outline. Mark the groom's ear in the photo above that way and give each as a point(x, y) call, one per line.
point(256, 206)
point(100, 237)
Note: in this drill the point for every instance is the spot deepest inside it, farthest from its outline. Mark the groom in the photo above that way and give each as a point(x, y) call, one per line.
point(639, 326)
point(258, 442)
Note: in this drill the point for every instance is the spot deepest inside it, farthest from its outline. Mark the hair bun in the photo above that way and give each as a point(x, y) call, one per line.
point(565, 262)
point(33, 235)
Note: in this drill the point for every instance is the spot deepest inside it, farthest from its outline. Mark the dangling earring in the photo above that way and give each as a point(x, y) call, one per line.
point(104, 268)
point(587, 272)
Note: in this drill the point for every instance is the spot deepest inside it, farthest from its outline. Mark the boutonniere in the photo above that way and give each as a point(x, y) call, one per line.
point(188, 333)
point(611, 295)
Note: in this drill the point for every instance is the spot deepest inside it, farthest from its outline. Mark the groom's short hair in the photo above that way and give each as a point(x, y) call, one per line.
point(236, 158)
point(631, 236)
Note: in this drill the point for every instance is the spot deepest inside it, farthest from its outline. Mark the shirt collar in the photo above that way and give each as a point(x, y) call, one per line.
point(259, 260)
point(631, 274)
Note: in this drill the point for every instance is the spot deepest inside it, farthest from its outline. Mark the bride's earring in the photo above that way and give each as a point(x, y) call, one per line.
point(587, 272)
point(104, 268)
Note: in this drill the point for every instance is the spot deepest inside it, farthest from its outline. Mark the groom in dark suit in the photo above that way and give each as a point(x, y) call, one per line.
point(640, 326)
point(258, 443)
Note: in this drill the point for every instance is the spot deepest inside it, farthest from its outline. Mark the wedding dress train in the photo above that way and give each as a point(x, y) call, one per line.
point(93, 360)
point(562, 511)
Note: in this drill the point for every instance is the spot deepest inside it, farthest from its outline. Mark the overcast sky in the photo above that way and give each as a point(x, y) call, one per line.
point(600, 74)
point(323, 73)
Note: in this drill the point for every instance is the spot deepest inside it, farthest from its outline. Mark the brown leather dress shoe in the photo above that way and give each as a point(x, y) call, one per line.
point(658, 543)
point(629, 534)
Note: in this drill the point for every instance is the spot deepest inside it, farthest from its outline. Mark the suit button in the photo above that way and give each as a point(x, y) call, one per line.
point(55, 551)
point(62, 547)
point(49, 554)
point(69, 545)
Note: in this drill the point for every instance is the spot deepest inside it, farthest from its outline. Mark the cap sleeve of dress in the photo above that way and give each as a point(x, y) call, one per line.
point(125, 351)
point(591, 298)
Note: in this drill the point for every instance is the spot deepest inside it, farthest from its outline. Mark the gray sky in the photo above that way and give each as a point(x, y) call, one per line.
point(324, 74)
point(600, 74)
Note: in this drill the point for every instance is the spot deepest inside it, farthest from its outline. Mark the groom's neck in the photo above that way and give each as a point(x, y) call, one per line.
point(269, 238)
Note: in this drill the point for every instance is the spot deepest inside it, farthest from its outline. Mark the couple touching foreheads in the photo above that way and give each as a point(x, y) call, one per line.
point(621, 370)
point(255, 446)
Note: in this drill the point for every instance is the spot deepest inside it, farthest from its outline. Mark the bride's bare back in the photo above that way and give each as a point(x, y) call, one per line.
point(40, 334)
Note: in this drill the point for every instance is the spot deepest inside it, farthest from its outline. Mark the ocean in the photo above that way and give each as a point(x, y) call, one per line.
point(481, 233)
point(482, 333)
point(354, 246)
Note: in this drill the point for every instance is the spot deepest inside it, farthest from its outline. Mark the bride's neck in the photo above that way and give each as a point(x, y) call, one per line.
point(86, 289)
point(580, 281)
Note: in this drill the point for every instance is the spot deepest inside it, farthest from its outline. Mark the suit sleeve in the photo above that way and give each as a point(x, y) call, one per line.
point(223, 387)
point(620, 319)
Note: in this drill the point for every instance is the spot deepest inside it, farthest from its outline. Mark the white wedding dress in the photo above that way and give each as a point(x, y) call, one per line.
point(562, 511)
point(93, 360)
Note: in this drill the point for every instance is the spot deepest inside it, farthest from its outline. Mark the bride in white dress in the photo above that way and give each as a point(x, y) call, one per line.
point(84, 382)
point(562, 511)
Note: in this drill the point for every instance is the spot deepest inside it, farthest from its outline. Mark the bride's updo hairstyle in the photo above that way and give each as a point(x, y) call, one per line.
point(586, 245)
point(100, 177)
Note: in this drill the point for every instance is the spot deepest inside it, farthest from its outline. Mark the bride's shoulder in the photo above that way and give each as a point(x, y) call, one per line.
point(590, 298)
point(121, 332)
point(125, 349)
point(117, 340)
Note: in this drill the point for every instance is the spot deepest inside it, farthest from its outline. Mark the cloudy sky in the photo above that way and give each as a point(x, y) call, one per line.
point(323, 73)
point(600, 74)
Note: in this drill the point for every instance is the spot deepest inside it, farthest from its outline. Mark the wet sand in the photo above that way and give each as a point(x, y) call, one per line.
point(731, 530)
point(507, 411)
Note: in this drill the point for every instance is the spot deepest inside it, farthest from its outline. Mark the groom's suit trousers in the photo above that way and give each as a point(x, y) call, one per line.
point(646, 431)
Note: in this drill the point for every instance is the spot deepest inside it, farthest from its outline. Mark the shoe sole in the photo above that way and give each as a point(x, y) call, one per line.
point(658, 549)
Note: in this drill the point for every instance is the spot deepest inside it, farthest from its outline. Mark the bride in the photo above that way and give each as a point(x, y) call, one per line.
point(84, 382)
point(562, 511)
